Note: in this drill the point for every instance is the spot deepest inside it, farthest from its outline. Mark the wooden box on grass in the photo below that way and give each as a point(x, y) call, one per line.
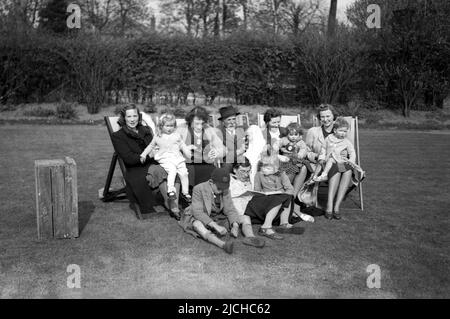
point(56, 198)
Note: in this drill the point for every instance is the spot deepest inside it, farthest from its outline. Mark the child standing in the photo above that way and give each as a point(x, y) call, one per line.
point(168, 145)
point(336, 150)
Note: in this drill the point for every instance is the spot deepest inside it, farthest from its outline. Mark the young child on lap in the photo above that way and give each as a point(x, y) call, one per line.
point(167, 146)
point(336, 150)
point(293, 147)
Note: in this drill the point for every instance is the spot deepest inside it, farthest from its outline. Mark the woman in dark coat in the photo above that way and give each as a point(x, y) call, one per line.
point(141, 177)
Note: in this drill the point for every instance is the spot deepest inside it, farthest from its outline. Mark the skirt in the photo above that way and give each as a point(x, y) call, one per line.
point(260, 205)
point(199, 173)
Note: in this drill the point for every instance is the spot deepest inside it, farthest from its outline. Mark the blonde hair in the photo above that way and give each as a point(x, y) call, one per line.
point(164, 119)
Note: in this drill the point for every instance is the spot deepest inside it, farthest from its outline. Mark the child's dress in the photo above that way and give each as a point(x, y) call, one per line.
point(343, 152)
point(298, 153)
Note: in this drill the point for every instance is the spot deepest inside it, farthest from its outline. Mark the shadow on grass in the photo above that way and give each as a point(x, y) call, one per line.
point(85, 211)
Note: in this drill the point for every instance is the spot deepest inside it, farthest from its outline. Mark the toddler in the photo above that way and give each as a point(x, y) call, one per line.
point(336, 150)
point(293, 147)
point(167, 146)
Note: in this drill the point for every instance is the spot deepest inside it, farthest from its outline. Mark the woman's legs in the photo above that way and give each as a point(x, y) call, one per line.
point(299, 180)
point(170, 204)
point(333, 185)
point(343, 187)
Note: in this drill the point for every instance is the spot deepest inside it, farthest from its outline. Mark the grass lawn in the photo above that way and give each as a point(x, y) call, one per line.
point(404, 229)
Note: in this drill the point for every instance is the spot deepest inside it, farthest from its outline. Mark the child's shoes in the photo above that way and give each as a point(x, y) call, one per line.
point(187, 197)
point(172, 195)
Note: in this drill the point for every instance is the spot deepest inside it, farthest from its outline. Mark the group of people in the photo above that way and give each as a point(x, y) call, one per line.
point(237, 176)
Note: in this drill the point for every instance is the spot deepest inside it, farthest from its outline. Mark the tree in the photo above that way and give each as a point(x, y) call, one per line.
point(53, 17)
point(332, 18)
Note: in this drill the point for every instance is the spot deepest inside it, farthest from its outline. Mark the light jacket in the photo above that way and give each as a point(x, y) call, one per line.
point(202, 203)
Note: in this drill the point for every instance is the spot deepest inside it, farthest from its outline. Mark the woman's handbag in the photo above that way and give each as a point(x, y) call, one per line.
point(308, 193)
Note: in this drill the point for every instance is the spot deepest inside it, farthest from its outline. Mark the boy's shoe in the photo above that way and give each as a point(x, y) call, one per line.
point(337, 215)
point(254, 241)
point(187, 197)
point(328, 215)
point(274, 235)
point(228, 247)
point(172, 195)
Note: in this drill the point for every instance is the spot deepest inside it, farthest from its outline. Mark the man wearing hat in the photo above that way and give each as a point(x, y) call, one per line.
point(233, 138)
point(211, 202)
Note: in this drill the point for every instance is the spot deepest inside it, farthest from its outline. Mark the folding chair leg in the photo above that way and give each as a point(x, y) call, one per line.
point(361, 196)
point(107, 194)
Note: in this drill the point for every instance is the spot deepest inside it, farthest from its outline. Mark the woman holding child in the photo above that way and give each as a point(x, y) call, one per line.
point(208, 146)
point(142, 175)
point(339, 176)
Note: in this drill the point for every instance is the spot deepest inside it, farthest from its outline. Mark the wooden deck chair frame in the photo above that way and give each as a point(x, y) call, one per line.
point(285, 120)
point(353, 121)
point(108, 194)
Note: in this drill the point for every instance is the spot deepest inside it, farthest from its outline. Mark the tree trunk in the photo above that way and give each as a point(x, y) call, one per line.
point(332, 18)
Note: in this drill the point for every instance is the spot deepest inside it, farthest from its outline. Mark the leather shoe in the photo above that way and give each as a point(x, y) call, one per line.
point(175, 213)
point(337, 215)
point(328, 215)
point(228, 247)
point(274, 235)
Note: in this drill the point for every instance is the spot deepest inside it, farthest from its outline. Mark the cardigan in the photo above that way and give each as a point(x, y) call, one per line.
point(273, 182)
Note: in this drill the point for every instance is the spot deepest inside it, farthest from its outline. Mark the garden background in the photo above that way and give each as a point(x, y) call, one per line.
point(292, 55)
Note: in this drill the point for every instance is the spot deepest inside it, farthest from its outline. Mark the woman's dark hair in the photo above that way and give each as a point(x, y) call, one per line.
point(326, 107)
point(270, 114)
point(199, 112)
point(123, 111)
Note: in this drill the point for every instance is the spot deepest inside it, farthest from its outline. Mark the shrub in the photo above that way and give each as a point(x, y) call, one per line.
point(8, 107)
point(372, 118)
point(66, 111)
point(39, 112)
point(150, 108)
point(179, 112)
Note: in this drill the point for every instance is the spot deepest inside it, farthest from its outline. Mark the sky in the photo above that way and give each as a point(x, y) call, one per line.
point(342, 5)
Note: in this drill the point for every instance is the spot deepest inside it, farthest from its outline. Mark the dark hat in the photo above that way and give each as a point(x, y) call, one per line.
point(221, 177)
point(227, 111)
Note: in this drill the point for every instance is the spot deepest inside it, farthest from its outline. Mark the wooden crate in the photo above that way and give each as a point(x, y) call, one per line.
point(56, 198)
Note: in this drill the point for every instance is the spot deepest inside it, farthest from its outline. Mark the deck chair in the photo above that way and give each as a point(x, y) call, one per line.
point(109, 195)
point(285, 120)
point(353, 136)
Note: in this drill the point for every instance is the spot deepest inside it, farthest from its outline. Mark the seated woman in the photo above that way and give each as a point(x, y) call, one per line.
point(129, 142)
point(209, 147)
point(272, 133)
point(338, 180)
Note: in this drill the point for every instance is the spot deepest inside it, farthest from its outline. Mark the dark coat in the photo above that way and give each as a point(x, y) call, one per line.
point(129, 146)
